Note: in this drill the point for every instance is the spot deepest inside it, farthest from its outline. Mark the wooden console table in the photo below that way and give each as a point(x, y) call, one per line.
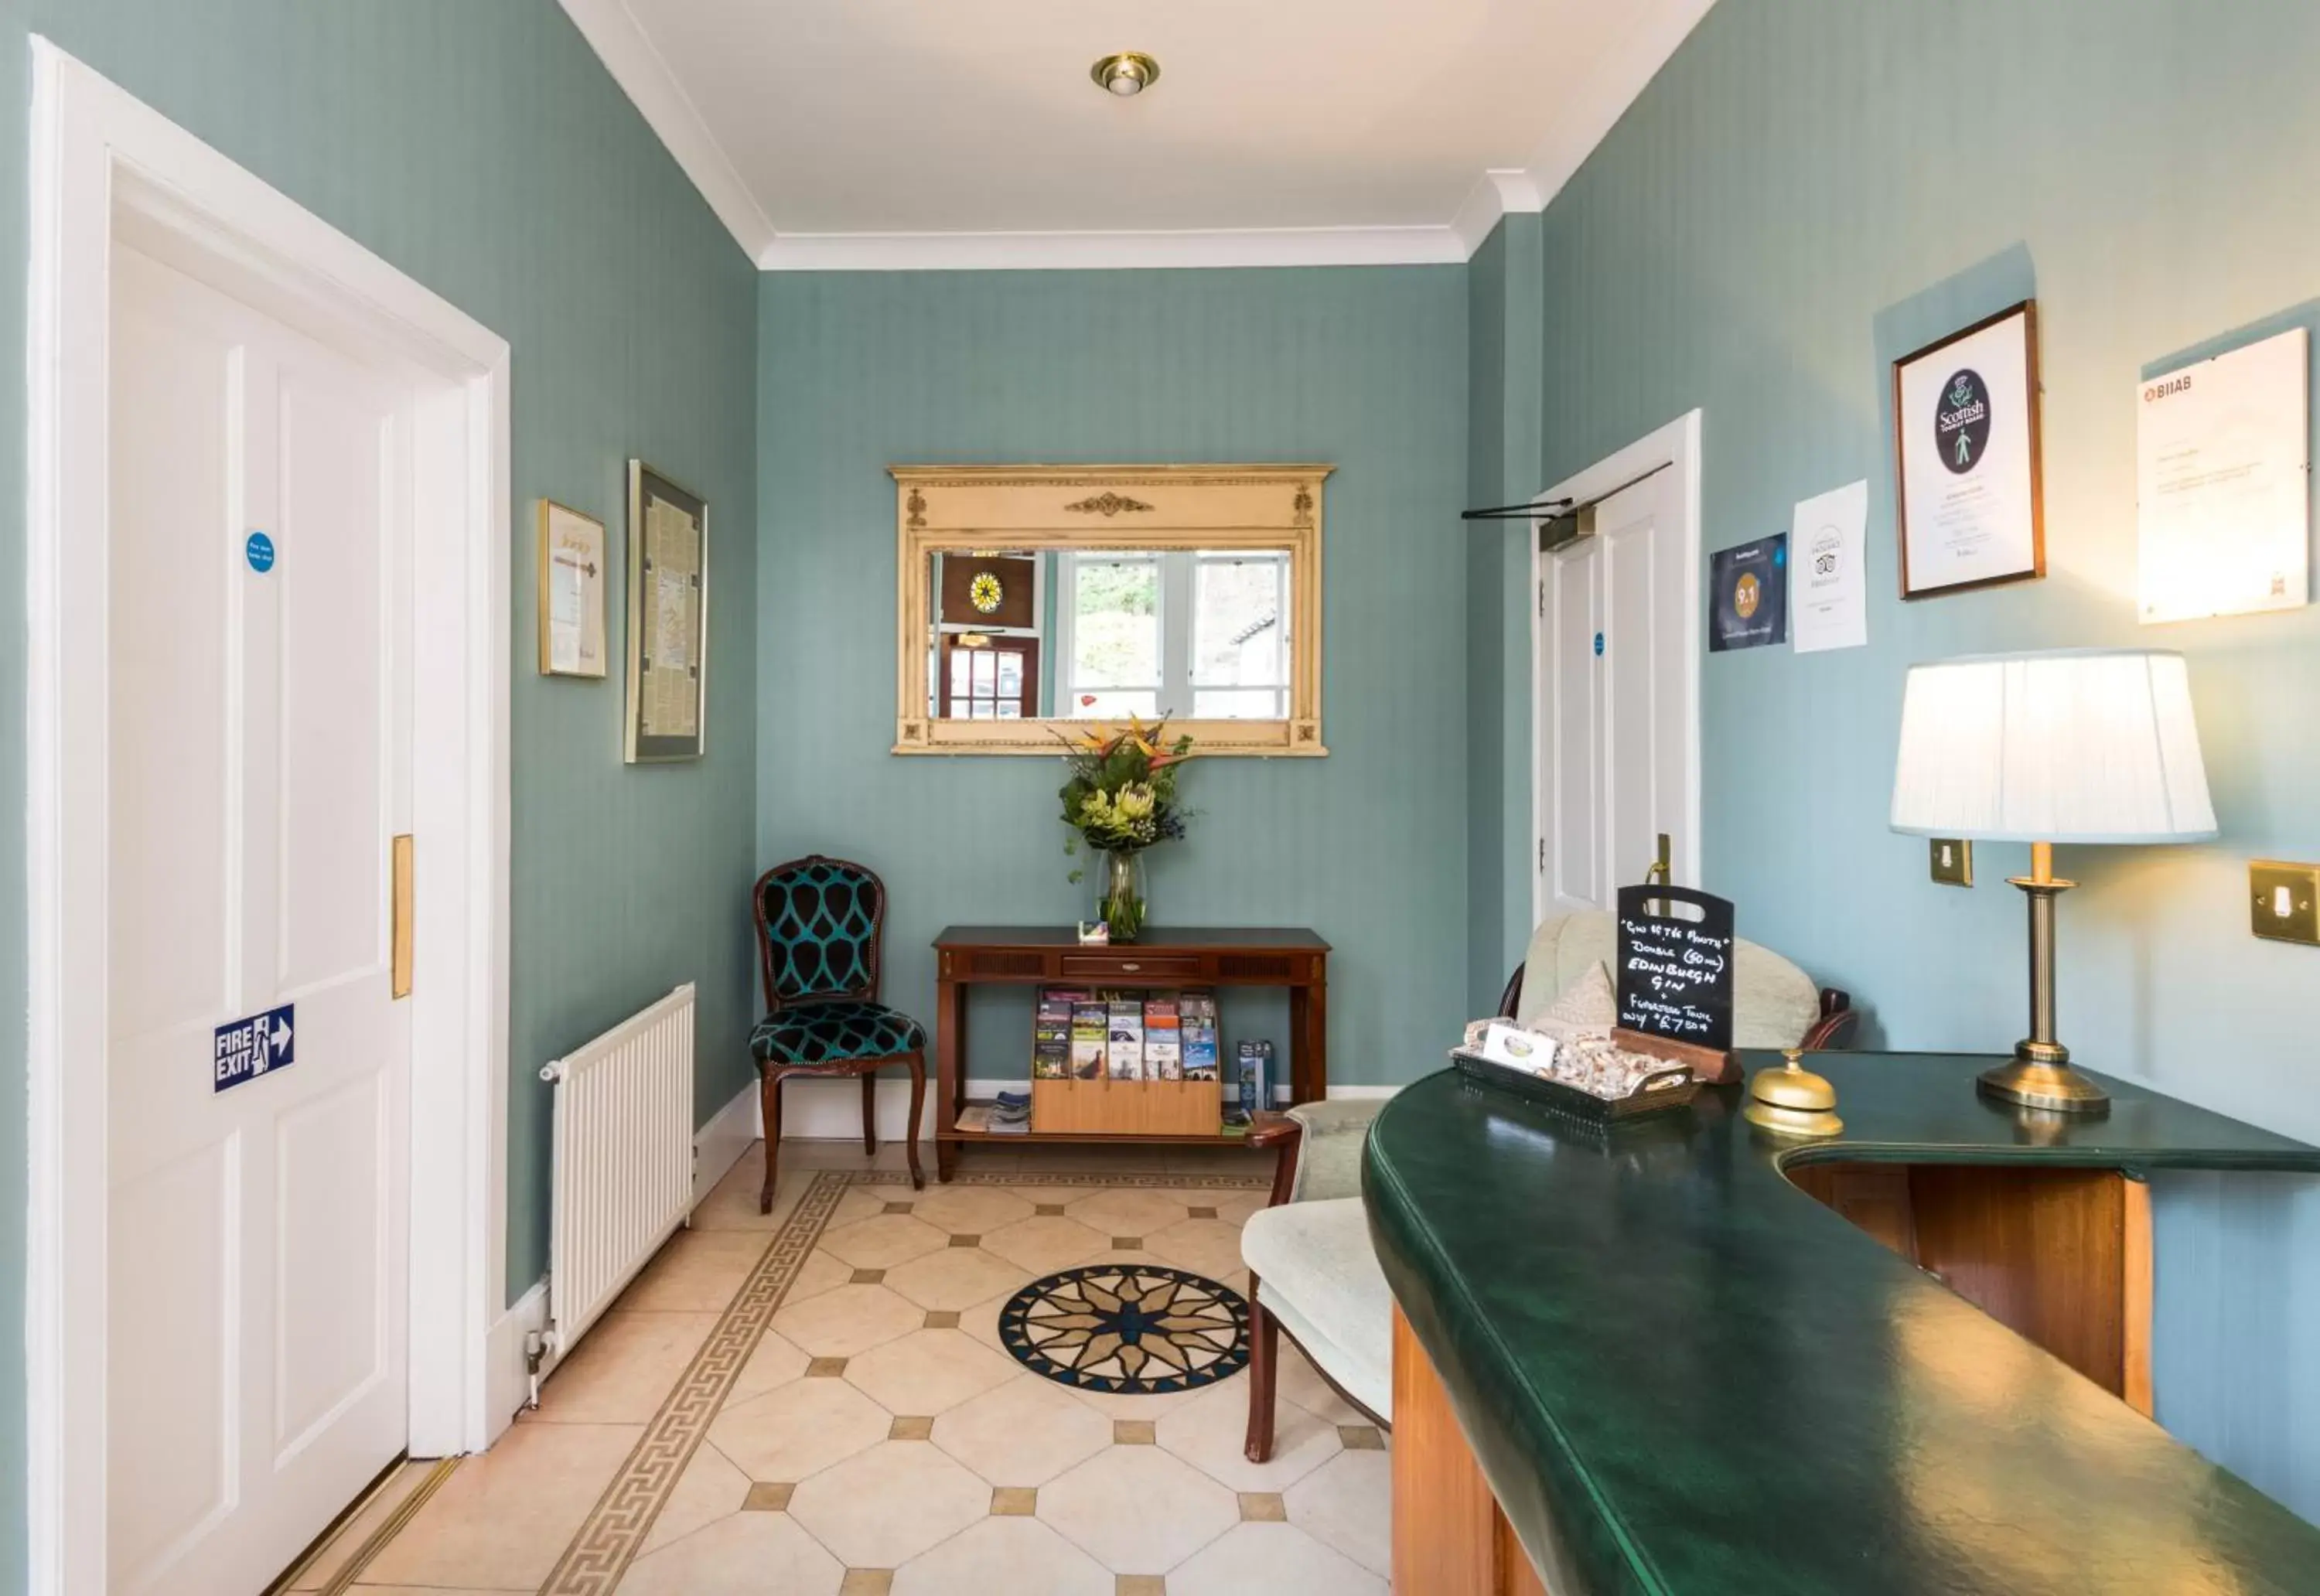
point(1172, 957)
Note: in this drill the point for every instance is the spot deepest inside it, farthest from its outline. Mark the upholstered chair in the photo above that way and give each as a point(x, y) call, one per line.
point(822, 924)
point(1313, 1275)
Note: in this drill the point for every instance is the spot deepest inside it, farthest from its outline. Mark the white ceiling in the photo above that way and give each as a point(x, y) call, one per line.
point(896, 133)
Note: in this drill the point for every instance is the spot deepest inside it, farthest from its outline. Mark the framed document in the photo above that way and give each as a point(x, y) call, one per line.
point(571, 593)
point(1965, 448)
point(668, 618)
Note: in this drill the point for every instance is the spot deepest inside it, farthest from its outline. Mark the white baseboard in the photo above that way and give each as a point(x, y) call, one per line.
point(508, 1382)
point(719, 1145)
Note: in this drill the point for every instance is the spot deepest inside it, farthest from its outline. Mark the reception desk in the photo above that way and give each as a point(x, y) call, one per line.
point(1691, 1360)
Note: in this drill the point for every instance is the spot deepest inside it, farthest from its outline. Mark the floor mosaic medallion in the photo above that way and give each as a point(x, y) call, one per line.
point(1139, 1327)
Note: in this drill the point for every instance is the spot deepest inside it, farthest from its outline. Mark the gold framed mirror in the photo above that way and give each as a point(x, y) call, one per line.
point(1035, 602)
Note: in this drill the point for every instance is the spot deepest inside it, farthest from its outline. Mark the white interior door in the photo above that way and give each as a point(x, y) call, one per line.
point(1615, 700)
point(259, 735)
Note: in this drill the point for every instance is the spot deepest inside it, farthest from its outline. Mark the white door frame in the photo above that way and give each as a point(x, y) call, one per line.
point(1674, 447)
point(105, 169)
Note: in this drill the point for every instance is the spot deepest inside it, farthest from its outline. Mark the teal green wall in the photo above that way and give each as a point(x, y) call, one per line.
point(482, 149)
point(1362, 369)
point(1809, 190)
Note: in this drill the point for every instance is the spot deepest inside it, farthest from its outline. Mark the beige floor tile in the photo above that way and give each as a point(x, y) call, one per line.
point(885, 1506)
point(1084, 1159)
point(1347, 1505)
point(748, 1552)
point(1138, 1510)
point(955, 1278)
point(1129, 1211)
point(817, 1274)
point(1043, 1243)
point(1060, 1195)
point(1261, 1559)
point(1024, 1432)
point(970, 1210)
point(1205, 1246)
point(710, 1488)
point(1297, 1381)
point(697, 1271)
point(623, 1368)
point(775, 1361)
point(732, 1203)
point(930, 1372)
point(1004, 1557)
point(982, 1320)
point(845, 1153)
point(1235, 1207)
point(368, 1590)
point(846, 1320)
point(505, 1517)
point(882, 1241)
point(799, 1429)
point(862, 1202)
point(1209, 1434)
point(360, 1528)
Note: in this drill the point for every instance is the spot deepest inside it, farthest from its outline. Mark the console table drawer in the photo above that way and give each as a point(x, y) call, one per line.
point(1123, 962)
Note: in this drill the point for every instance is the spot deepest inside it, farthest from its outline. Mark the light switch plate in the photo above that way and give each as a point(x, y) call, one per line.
point(2285, 901)
point(1953, 860)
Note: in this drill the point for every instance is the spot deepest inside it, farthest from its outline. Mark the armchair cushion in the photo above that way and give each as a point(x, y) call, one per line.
point(1316, 1273)
point(833, 1032)
point(1329, 1151)
point(1774, 1004)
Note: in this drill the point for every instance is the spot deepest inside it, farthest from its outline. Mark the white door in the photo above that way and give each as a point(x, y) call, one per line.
point(1615, 700)
point(258, 734)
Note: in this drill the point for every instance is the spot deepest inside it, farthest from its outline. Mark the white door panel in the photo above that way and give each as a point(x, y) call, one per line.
point(255, 724)
point(1615, 693)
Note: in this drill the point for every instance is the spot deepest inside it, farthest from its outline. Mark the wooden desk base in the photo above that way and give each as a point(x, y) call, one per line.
point(1449, 1537)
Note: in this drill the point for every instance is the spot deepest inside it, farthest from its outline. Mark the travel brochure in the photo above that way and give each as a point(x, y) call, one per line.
point(1084, 1035)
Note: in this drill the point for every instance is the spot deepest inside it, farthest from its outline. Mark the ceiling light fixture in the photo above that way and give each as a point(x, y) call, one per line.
point(1126, 73)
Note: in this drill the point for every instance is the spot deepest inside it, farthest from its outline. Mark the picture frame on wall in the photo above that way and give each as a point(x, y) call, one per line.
point(572, 575)
point(1968, 494)
point(668, 619)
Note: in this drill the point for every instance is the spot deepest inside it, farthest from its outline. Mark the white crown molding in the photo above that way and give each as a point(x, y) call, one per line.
point(1061, 251)
point(613, 32)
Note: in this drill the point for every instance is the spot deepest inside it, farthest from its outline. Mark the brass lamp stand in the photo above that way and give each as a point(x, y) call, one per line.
point(2040, 1075)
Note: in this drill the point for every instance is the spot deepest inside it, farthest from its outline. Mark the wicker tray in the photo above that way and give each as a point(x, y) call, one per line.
point(1645, 1102)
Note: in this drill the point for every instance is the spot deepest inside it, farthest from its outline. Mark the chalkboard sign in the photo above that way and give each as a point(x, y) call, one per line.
point(1676, 974)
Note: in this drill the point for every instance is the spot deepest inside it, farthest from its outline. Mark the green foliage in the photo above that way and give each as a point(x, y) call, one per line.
point(1121, 796)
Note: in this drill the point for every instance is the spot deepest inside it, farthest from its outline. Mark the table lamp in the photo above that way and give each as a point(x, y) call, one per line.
point(2074, 744)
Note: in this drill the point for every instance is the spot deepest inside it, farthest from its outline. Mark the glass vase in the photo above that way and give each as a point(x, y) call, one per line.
point(1119, 902)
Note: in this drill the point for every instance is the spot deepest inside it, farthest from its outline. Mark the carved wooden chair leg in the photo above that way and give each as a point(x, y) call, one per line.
point(870, 1111)
point(769, 1101)
point(918, 1062)
point(1263, 1358)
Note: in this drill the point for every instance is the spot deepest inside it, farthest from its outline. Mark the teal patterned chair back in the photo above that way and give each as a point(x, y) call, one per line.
point(819, 924)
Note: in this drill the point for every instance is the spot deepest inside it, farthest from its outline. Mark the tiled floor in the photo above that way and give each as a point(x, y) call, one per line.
point(875, 1439)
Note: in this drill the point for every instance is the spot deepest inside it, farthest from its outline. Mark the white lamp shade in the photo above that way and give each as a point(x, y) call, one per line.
point(2071, 746)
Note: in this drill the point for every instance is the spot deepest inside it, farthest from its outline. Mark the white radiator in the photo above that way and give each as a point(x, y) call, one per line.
point(622, 1176)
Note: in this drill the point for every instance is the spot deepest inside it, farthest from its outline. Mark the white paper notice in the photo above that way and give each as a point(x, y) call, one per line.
point(2222, 489)
point(1828, 546)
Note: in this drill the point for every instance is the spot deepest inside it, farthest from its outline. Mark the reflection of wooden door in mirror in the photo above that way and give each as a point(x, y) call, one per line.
point(988, 589)
point(994, 679)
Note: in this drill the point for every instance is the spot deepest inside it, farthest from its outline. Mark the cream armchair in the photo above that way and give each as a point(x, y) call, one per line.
point(1313, 1275)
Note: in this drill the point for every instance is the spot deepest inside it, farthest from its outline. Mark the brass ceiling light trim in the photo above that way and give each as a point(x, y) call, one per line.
point(1127, 75)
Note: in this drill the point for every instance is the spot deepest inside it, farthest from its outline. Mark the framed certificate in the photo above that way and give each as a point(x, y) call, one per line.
point(571, 593)
point(1965, 448)
point(668, 618)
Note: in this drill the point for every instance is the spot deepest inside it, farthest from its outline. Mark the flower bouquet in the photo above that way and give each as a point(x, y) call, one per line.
point(1120, 799)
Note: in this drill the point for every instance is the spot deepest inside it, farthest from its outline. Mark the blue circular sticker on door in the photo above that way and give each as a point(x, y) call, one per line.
point(259, 549)
point(1599, 645)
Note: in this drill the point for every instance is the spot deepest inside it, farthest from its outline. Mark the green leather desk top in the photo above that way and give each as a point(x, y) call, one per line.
point(1684, 1376)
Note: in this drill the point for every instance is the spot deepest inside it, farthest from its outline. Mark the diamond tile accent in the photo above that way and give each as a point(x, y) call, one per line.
point(1049, 1211)
point(897, 1208)
point(966, 1241)
point(1198, 1212)
point(868, 1581)
point(942, 1318)
point(911, 1428)
point(867, 1276)
point(1263, 1506)
point(1132, 1432)
point(1014, 1501)
point(826, 1368)
point(766, 1497)
point(1140, 1584)
point(1127, 1244)
point(1360, 1437)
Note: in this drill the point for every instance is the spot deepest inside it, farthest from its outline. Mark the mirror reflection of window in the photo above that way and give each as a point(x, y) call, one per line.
point(1115, 636)
point(1240, 637)
point(1201, 634)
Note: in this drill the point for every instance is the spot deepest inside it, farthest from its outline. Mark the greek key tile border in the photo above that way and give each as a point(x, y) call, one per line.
point(608, 1539)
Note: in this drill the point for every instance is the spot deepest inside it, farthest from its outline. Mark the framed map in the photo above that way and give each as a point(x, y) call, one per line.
point(668, 618)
